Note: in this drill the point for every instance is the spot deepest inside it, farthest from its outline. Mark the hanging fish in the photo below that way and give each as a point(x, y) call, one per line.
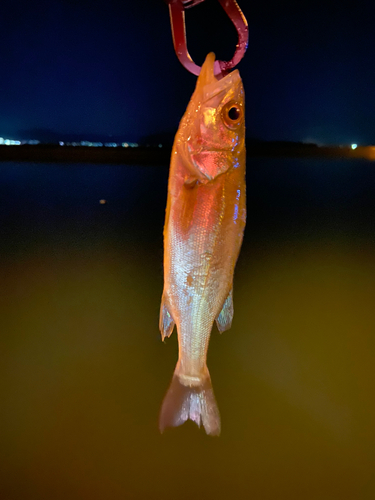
point(204, 225)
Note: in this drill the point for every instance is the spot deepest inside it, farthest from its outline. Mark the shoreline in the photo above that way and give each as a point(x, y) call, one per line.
point(51, 153)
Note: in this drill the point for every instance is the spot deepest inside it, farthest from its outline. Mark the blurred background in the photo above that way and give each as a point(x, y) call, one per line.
point(83, 370)
point(107, 68)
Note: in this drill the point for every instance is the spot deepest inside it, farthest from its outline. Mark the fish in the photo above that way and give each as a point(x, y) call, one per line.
point(204, 225)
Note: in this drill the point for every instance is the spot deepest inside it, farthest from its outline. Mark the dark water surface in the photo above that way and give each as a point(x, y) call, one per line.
point(83, 370)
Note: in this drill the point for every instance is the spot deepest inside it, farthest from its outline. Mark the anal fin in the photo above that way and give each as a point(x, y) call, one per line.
point(166, 322)
point(224, 319)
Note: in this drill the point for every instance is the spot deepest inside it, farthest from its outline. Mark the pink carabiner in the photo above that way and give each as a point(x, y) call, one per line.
point(177, 16)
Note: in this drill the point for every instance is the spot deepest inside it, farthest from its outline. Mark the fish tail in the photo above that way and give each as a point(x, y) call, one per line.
point(190, 398)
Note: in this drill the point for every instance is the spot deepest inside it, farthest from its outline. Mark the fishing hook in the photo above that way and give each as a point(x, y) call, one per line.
point(177, 16)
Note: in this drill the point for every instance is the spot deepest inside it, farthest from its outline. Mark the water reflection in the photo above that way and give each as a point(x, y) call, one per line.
point(83, 370)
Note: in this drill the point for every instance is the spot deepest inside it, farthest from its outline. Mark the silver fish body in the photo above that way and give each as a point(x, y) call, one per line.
point(205, 220)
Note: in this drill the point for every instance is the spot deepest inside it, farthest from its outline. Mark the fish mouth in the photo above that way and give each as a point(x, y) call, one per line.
point(218, 86)
point(210, 84)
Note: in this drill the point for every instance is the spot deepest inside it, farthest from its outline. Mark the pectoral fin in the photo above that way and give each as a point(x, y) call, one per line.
point(166, 322)
point(224, 319)
point(190, 182)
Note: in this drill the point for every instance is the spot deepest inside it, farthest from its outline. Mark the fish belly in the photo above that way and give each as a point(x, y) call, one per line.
point(203, 235)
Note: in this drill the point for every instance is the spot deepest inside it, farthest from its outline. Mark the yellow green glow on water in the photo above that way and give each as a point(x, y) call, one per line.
point(84, 371)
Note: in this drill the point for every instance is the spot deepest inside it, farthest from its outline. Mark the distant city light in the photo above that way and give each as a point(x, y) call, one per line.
point(354, 146)
point(84, 143)
point(9, 142)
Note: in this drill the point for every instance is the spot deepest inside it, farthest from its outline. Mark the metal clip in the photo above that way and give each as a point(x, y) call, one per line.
point(177, 16)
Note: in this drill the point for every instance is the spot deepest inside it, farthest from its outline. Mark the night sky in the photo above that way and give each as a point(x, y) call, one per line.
point(100, 68)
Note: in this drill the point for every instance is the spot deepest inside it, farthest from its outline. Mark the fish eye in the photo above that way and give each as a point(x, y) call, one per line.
point(232, 114)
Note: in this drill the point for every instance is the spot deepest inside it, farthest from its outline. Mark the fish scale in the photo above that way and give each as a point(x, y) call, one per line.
point(205, 220)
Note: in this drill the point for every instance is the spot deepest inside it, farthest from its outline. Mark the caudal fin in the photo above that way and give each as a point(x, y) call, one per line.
point(195, 402)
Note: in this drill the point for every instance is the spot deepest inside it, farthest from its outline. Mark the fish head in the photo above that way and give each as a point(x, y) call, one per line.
point(211, 135)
